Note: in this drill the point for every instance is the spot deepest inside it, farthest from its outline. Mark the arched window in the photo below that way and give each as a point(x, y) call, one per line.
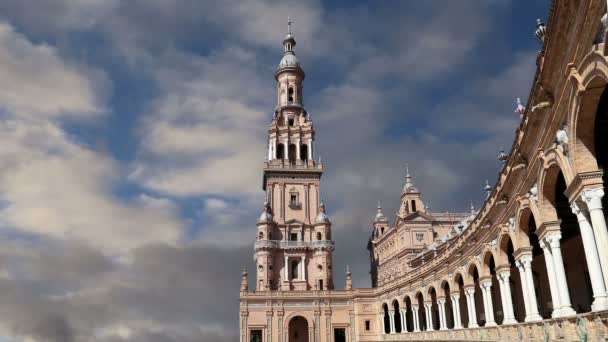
point(413, 206)
point(290, 95)
point(382, 230)
point(319, 236)
point(281, 151)
point(292, 154)
point(260, 236)
point(304, 152)
point(294, 269)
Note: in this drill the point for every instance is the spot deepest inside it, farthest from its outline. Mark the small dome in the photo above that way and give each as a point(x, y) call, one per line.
point(289, 60)
point(379, 215)
point(322, 217)
point(266, 216)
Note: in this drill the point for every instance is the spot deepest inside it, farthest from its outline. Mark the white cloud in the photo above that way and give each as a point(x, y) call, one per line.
point(36, 82)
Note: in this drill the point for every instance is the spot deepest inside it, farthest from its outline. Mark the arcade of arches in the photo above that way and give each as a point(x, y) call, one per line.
point(531, 264)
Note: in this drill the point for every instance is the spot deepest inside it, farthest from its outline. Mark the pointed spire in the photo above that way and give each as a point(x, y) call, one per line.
point(520, 109)
point(379, 214)
point(244, 284)
point(409, 183)
point(488, 188)
point(502, 156)
point(289, 26)
point(541, 29)
point(472, 208)
point(349, 281)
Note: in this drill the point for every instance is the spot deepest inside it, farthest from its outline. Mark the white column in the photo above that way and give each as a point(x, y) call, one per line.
point(525, 265)
point(298, 155)
point(416, 319)
point(565, 308)
point(442, 318)
point(507, 299)
point(593, 198)
point(403, 320)
point(269, 150)
point(286, 268)
point(309, 146)
point(286, 149)
point(274, 148)
point(391, 316)
point(429, 315)
point(303, 269)
point(600, 301)
point(555, 295)
point(470, 293)
point(486, 290)
point(381, 325)
point(456, 311)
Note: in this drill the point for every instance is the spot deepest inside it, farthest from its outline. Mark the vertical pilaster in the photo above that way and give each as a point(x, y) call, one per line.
point(309, 146)
point(600, 298)
point(298, 155)
point(381, 323)
point(327, 324)
point(286, 268)
point(286, 149)
point(269, 325)
point(303, 267)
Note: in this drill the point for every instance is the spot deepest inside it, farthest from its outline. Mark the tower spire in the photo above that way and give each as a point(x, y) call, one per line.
point(289, 26)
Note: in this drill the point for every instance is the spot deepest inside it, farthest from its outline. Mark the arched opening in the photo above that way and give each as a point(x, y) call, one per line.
point(601, 142)
point(397, 316)
point(409, 315)
point(449, 311)
point(382, 230)
point(387, 319)
point(434, 308)
point(260, 236)
point(462, 301)
point(413, 206)
point(304, 152)
point(573, 252)
point(319, 236)
point(539, 272)
point(519, 309)
point(280, 151)
point(421, 312)
point(290, 95)
point(292, 154)
point(294, 269)
point(298, 329)
point(480, 314)
point(499, 315)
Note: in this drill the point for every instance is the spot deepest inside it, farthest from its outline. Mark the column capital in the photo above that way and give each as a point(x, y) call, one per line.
point(552, 239)
point(485, 283)
point(593, 198)
point(415, 307)
point(470, 290)
point(524, 261)
point(455, 295)
point(504, 275)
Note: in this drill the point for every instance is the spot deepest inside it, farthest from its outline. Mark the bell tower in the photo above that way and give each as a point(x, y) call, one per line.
point(294, 249)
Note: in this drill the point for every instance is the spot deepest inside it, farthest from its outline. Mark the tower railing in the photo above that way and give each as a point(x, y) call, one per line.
point(294, 244)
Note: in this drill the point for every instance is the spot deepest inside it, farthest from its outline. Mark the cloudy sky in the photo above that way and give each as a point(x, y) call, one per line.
point(132, 136)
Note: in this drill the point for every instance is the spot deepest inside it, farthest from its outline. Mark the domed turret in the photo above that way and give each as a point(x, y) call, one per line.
point(322, 217)
point(289, 60)
point(379, 214)
point(266, 216)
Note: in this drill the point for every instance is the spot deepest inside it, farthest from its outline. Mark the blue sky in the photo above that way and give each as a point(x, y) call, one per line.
point(132, 136)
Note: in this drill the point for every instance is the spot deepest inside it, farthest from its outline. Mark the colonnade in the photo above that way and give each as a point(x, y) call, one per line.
point(594, 236)
point(273, 147)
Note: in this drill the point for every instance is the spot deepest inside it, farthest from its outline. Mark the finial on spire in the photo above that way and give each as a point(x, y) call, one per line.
point(289, 25)
point(541, 29)
point(472, 208)
point(407, 170)
point(520, 109)
point(488, 188)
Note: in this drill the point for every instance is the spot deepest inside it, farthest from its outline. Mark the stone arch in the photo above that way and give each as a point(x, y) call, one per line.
point(386, 320)
point(522, 236)
point(409, 315)
point(486, 256)
point(554, 164)
point(588, 87)
point(458, 287)
point(307, 316)
point(396, 308)
point(502, 258)
point(445, 289)
point(472, 265)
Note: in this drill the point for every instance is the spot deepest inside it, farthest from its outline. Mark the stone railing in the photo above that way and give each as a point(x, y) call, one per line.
point(294, 244)
point(585, 327)
point(298, 165)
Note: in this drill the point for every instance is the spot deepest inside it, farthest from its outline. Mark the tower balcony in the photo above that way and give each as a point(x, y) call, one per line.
point(281, 164)
point(274, 244)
